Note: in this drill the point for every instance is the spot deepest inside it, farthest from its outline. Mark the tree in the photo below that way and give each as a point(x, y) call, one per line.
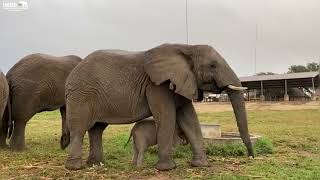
point(265, 73)
point(314, 66)
point(297, 69)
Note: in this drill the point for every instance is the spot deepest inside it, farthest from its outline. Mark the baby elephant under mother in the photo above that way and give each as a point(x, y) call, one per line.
point(120, 87)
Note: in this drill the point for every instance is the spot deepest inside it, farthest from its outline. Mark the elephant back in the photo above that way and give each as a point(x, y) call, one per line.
point(37, 66)
point(41, 77)
point(111, 79)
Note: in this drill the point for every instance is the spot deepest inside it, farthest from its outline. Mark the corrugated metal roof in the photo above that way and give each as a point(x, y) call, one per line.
point(279, 76)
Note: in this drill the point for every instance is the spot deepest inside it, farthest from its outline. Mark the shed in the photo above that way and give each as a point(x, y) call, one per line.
point(308, 80)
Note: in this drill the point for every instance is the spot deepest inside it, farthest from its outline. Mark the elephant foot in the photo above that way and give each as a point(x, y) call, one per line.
point(17, 148)
point(4, 146)
point(165, 165)
point(64, 141)
point(134, 162)
point(139, 164)
point(200, 161)
point(74, 164)
point(94, 161)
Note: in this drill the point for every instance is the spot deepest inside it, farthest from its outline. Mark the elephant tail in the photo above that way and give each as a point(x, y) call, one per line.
point(128, 139)
point(9, 112)
point(65, 141)
point(65, 137)
point(9, 117)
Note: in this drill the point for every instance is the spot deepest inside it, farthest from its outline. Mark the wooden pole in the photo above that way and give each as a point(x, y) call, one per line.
point(285, 87)
point(255, 51)
point(187, 23)
point(261, 87)
point(313, 87)
point(262, 97)
point(286, 96)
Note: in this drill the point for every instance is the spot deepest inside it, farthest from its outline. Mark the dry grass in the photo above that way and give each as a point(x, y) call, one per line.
point(257, 106)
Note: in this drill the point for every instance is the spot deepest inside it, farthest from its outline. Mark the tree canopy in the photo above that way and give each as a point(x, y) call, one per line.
point(313, 66)
point(310, 67)
point(265, 73)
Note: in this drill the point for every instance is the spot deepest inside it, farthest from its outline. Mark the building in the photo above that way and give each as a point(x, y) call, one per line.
point(264, 85)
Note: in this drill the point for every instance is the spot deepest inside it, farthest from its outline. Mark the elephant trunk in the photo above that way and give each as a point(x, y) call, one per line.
point(239, 109)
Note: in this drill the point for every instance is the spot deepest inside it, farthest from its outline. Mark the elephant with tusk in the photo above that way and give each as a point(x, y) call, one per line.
point(120, 87)
point(237, 88)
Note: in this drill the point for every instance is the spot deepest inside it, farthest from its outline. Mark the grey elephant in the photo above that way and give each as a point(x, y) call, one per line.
point(114, 87)
point(144, 135)
point(4, 94)
point(36, 83)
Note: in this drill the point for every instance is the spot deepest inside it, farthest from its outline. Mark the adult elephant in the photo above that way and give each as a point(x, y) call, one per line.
point(4, 94)
point(114, 87)
point(37, 83)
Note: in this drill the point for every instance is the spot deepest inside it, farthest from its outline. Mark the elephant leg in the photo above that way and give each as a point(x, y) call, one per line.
point(24, 107)
point(95, 138)
point(189, 123)
point(3, 144)
point(74, 161)
point(78, 120)
point(162, 105)
point(141, 147)
point(3, 135)
point(135, 154)
point(17, 141)
point(140, 158)
point(65, 137)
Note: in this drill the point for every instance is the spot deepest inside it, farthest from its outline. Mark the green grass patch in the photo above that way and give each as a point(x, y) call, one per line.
point(261, 147)
point(234, 149)
point(289, 149)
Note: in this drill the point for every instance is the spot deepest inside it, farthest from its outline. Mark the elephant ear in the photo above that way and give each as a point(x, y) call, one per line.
point(173, 63)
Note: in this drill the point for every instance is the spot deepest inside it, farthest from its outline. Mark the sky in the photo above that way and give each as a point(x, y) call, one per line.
point(283, 32)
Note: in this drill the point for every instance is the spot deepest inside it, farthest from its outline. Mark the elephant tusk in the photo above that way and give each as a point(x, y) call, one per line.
point(236, 88)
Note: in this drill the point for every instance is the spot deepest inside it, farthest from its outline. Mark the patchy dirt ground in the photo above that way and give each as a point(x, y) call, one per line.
point(208, 107)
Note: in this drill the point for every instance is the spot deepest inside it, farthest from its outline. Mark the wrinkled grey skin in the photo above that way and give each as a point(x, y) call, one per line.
point(110, 87)
point(144, 135)
point(37, 83)
point(4, 95)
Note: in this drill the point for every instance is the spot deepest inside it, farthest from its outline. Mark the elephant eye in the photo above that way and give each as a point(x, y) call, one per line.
point(212, 65)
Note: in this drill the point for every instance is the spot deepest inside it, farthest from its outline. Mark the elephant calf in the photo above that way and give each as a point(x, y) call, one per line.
point(144, 135)
point(4, 93)
point(37, 83)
